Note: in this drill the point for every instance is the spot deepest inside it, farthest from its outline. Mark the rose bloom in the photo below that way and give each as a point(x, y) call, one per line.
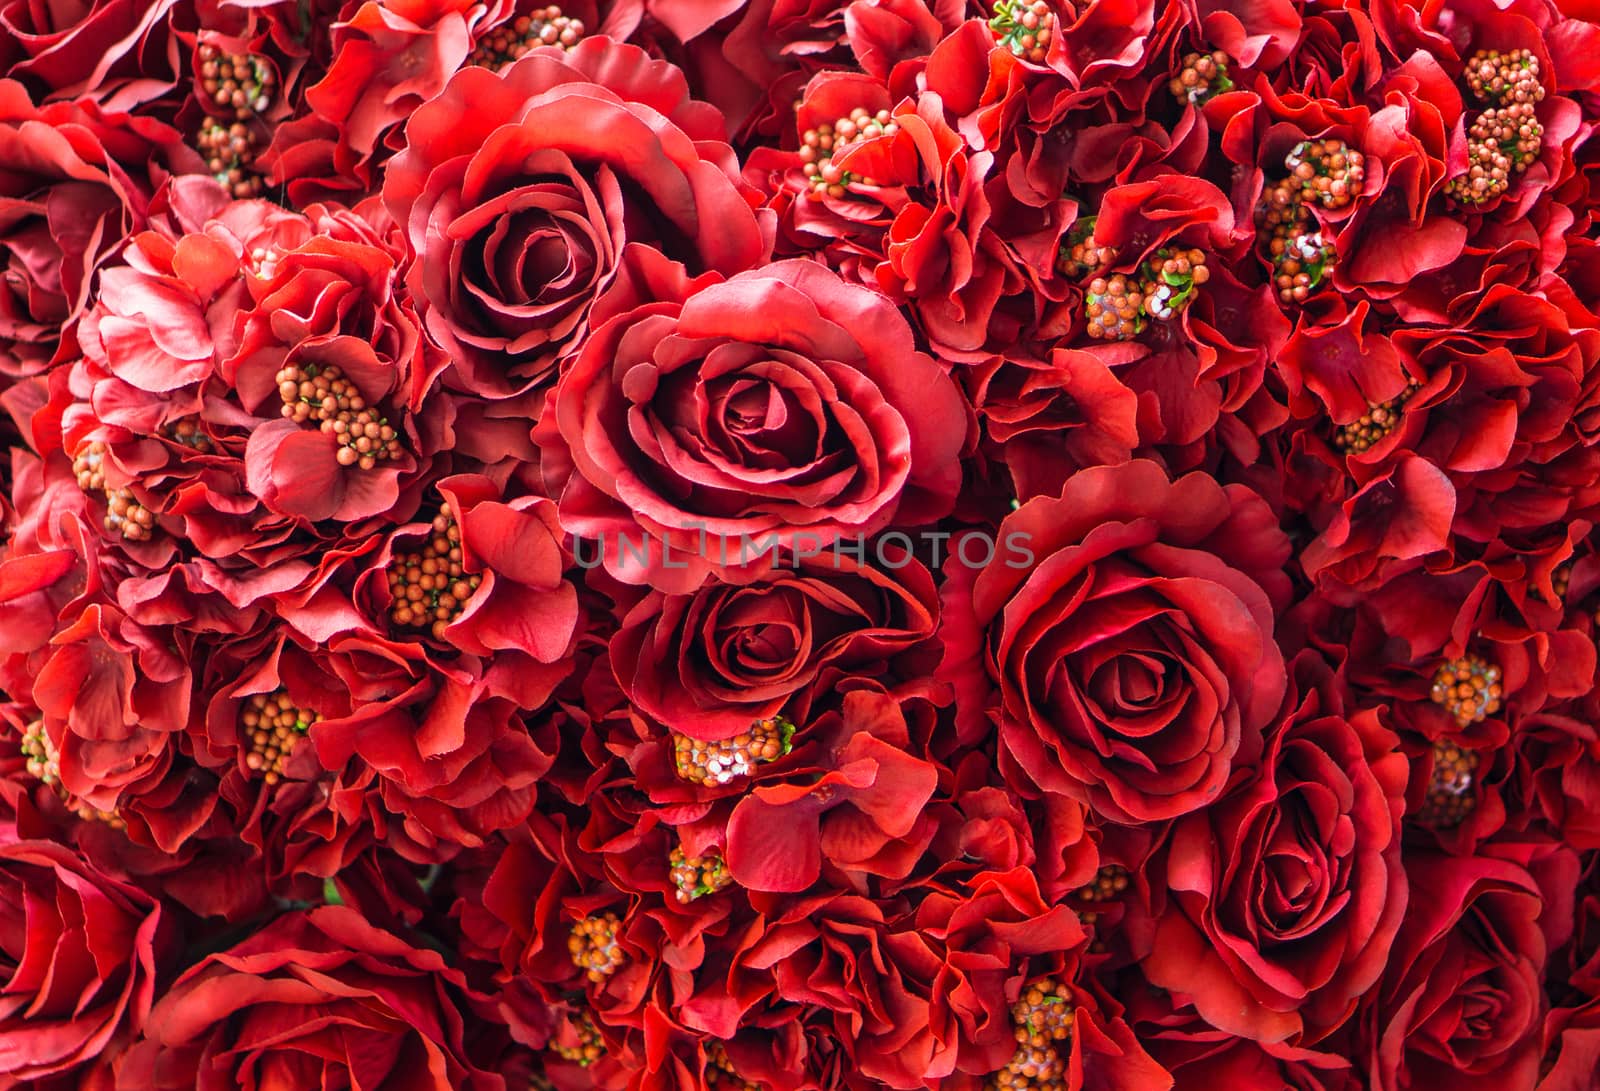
point(711, 663)
point(1127, 628)
point(80, 953)
point(1286, 895)
point(1462, 1001)
point(520, 190)
point(319, 999)
point(710, 419)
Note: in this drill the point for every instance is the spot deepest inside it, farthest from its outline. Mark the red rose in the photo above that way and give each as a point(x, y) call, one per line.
point(711, 663)
point(1461, 1003)
point(80, 953)
point(713, 420)
point(1287, 894)
point(520, 190)
point(1127, 630)
point(319, 998)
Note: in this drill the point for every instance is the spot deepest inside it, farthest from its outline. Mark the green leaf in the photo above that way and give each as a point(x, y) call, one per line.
point(330, 893)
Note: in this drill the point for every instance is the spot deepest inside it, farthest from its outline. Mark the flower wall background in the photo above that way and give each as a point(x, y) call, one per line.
point(1159, 447)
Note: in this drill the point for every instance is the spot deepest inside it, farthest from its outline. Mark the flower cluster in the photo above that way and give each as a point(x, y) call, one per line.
point(800, 545)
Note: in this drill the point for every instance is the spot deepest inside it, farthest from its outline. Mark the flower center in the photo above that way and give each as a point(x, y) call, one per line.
point(429, 588)
point(589, 1045)
point(594, 948)
point(125, 515)
point(1041, 1020)
point(1506, 136)
point(1203, 75)
point(1450, 798)
point(1170, 280)
point(187, 432)
point(1468, 688)
point(1301, 255)
point(1107, 883)
point(273, 724)
point(1114, 306)
point(230, 155)
point(511, 41)
point(819, 146)
point(1328, 172)
point(1024, 28)
point(1502, 78)
point(1079, 255)
point(236, 81)
point(43, 761)
point(697, 876)
point(321, 393)
point(40, 753)
point(711, 764)
point(1378, 421)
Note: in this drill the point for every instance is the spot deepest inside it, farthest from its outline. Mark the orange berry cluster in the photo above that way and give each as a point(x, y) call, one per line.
point(43, 762)
point(244, 85)
point(696, 876)
point(1114, 306)
point(1501, 78)
point(590, 1045)
point(1024, 28)
point(1107, 883)
point(1301, 256)
point(236, 81)
point(429, 588)
point(230, 155)
point(819, 146)
point(1079, 255)
point(124, 514)
point(1468, 688)
point(1329, 172)
point(511, 41)
point(1202, 76)
point(1041, 1020)
point(594, 948)
point(1450, 798)
point(1378, 421)
point(273, 724)
point(711, 764)
point(1506, 136)
point(1169, 281)
point(323, 394)
point(187, 432)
